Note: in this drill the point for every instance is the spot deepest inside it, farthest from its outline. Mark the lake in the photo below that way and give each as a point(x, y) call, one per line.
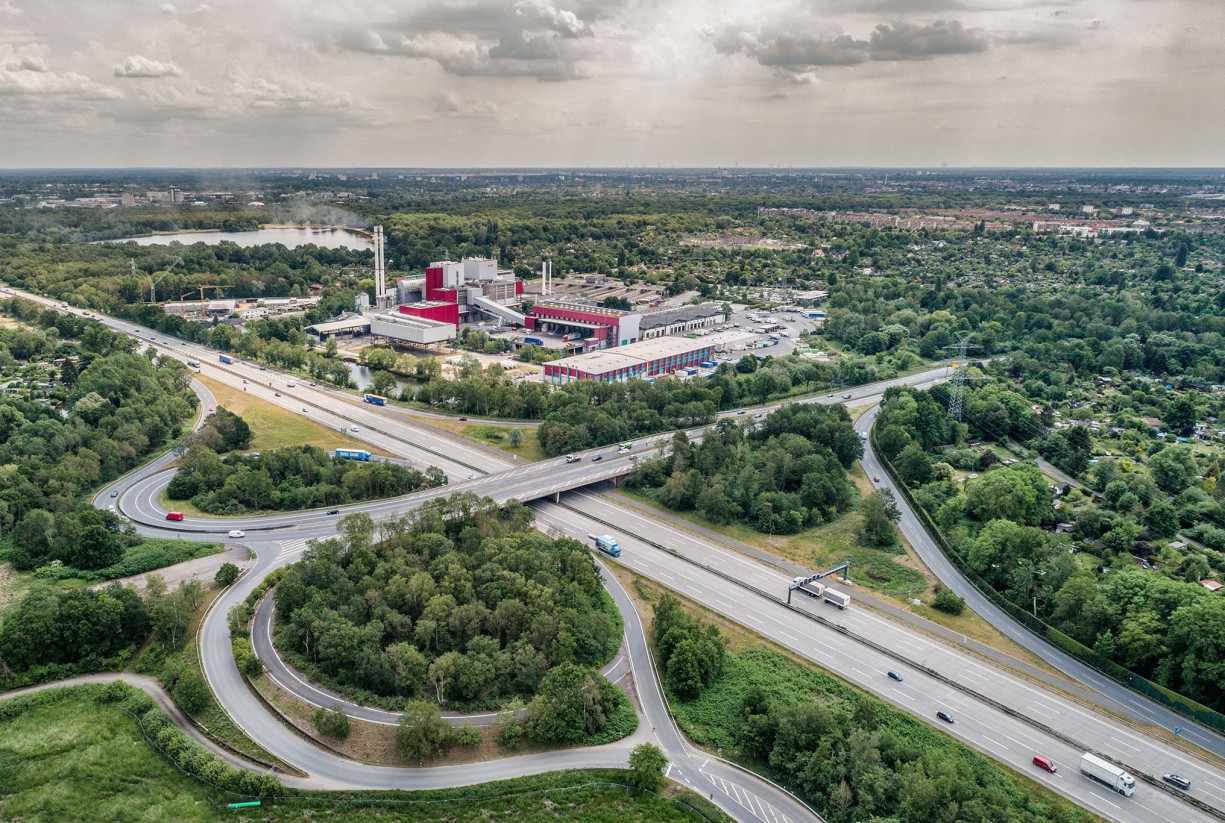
point(291, 237)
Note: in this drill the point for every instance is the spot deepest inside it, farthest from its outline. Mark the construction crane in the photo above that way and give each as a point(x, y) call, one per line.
point(201, 290)
point(178, 261)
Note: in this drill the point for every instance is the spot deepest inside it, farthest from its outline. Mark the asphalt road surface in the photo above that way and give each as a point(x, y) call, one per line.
point(980, 723)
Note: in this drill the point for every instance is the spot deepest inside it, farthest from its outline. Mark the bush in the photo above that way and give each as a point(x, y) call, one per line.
point(244, 657)
point(332, 722)
point(192, 693)
point(226, 575)
point(468, 736)
point(422, 733)
point(948, 602)
point(647, 764)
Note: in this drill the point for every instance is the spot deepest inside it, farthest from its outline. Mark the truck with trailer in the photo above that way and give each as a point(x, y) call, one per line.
point(225, 358)
point(606, 544)
point(812, 588)
point(354, 454)
point(376, 399)
point(838, 598)
point(1106, 772)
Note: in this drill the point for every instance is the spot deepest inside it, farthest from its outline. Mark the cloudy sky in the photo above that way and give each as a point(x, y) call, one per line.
point(611, 82)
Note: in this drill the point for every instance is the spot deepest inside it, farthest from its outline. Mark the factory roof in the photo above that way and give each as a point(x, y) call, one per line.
point(409, 320)
point(680, 314)
point(332, 326)
point(635, 354)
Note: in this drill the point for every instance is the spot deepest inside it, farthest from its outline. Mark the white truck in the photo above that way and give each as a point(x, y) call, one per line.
point(839, 599)
point(1106, 772)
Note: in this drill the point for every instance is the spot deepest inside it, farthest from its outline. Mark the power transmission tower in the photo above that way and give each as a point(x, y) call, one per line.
point(957, 396)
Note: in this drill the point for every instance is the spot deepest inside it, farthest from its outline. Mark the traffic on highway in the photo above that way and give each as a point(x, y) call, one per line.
point(1022, 722)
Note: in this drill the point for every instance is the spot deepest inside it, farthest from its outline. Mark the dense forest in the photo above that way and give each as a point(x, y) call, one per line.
point(778, 475)
point(289, 479)
point(80, 408)
point(467, 606)
point(1108, 578)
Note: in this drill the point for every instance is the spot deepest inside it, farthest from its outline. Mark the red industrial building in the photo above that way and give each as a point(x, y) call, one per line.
point(587, 327)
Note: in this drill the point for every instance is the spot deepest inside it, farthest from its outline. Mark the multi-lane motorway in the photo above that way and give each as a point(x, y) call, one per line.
point(997, 712)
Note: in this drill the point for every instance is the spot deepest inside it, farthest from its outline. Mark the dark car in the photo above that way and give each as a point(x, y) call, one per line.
point(597, 458)
point(333, 511)
point(464, 419)
point(896, 676)
point(945, 716)
point(1174, 780)
point(114, 494)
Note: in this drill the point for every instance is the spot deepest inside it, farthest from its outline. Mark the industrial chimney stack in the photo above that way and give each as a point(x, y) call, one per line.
point(380, 273)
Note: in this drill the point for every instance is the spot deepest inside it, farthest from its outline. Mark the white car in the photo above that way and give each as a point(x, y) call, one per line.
point(354, 429)
point(237, 533)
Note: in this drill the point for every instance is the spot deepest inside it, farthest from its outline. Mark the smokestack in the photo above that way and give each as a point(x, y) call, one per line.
point(380, 275)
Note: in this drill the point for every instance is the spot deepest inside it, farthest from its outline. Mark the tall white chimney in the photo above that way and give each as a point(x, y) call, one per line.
point(380, 275)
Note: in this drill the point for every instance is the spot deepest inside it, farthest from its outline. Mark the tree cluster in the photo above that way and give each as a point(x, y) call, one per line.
point(293, 478)
point(467, 606)
point(79, 627)
point(782, 475)
point(690, 654)
point(110, 409)
point(1000, 523)
point(853, 761)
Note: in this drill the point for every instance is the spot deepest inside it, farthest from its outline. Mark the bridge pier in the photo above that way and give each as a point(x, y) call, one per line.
point(556, 497)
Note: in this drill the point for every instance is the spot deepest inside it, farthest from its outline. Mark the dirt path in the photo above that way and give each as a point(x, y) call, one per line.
point(202, 568)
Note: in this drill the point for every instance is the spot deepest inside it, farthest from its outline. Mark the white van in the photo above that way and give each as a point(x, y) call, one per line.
point(237, 533)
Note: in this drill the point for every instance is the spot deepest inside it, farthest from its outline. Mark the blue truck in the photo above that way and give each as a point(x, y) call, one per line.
point(225, 358)
point(606, 544)
point(354, 454)
point(376, 399)
point(535, 341)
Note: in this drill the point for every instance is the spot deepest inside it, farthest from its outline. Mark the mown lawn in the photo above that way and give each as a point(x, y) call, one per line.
point(274, 427)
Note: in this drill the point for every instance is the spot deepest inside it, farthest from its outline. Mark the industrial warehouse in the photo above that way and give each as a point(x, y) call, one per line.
point(645, 360)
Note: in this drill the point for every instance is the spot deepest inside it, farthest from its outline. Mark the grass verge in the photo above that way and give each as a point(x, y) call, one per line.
point(171, 667)
point(277, 428)
point(71, 756)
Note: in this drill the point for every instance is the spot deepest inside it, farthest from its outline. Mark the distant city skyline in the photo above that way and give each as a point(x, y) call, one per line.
point(595, 83)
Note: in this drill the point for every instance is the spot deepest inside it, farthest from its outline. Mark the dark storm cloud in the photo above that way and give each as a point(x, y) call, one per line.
point(783, 48)
point(903, 41)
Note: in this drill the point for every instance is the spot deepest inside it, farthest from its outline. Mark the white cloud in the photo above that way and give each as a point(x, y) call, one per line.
point(137, 66)
point(261, 93)
point(7, 8)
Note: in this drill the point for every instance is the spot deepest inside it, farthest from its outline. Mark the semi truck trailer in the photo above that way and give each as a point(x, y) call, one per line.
point(1106, 772)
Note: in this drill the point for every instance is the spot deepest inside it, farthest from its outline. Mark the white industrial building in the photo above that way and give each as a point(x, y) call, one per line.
point(408, 329)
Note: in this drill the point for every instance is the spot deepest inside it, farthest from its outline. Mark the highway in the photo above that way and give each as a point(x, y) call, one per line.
point(980, 723)
point(1115, 696)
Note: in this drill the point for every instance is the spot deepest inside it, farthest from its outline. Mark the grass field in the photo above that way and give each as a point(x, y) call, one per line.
point(499, 437)
point(276, 428)
point(77, 759)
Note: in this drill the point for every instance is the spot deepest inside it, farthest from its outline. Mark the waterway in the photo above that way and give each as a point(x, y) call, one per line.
point(288, 236)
